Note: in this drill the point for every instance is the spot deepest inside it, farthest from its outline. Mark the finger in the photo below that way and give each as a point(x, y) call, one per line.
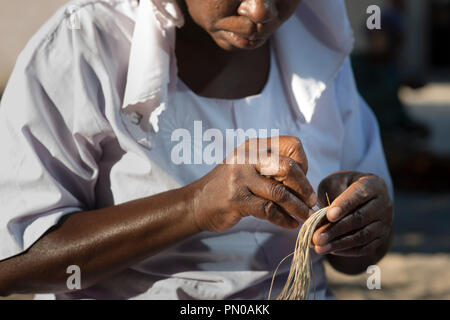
point(287, 171)
point(361, 251)
point(270, 189)
point(267, 210)
point(287, 146)
point(352, 222)
point(292, 147)
point(360, 238)
point(359, 193)
point(333, 185)
point(318, 232)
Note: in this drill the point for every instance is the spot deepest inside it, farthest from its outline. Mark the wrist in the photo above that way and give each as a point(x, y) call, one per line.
point(191, 199)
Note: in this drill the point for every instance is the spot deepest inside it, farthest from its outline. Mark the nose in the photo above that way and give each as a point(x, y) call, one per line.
point(259, 11)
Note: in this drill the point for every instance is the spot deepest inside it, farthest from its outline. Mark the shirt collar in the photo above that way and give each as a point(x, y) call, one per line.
point(152, 58)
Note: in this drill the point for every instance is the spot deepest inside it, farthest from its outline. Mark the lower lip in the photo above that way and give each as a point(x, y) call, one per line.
point(241, 42)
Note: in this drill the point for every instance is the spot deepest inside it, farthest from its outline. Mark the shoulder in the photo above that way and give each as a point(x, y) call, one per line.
point(75, 59)
point(77, 28)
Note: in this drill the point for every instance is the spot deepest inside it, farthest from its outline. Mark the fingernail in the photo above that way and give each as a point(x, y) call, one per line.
point(312, 200)
point(334, 213)
point(323, 239)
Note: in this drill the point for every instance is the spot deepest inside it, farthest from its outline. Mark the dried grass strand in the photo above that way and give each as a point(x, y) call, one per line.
point(298, 284)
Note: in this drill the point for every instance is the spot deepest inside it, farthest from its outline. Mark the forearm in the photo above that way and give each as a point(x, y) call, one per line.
point(356, 265)
point(101, 242)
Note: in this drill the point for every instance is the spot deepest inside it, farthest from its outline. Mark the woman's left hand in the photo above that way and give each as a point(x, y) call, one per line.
point(359, 218)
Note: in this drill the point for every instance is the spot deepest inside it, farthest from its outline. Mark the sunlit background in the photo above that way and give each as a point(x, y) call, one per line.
point(403, 71)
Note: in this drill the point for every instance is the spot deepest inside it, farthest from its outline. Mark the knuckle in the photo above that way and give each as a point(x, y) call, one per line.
point(279, 192)
point(362, 189)
point(363, 235)
point(358, 219)
point(268, 209)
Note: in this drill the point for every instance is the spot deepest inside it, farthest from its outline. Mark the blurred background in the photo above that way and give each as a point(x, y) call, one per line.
point(403, 72)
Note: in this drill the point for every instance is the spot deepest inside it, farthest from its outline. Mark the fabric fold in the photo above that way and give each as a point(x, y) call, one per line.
point(151, 54)
point(307, 70)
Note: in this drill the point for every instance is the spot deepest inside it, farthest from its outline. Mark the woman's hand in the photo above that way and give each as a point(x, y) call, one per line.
point(272, 188)
point(360, 217)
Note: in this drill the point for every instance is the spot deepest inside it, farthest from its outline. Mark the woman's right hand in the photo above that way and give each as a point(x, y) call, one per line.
point(269, 188)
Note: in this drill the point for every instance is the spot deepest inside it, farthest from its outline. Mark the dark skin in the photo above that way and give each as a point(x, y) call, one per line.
point(358, 230)
point(105, 241)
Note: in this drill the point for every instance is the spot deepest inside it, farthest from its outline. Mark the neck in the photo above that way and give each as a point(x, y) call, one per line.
point(210, 71)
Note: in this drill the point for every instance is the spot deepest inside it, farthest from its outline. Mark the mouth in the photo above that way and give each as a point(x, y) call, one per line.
point(243, 41)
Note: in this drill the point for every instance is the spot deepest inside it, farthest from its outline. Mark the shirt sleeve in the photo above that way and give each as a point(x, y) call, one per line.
point(51, 130)
point(362, 148)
